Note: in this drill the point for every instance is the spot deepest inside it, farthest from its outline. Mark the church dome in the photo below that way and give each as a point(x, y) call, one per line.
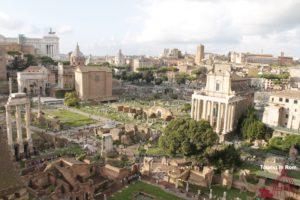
point(77, 57)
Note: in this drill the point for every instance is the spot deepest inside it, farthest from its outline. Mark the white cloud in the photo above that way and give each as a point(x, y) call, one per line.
point(237, 24)
point(12, 26)
point(64, 29)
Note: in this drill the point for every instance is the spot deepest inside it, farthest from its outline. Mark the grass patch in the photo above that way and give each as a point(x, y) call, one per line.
point(155, 151)
point(218, 191)
point(128, 193)
point(70, 119)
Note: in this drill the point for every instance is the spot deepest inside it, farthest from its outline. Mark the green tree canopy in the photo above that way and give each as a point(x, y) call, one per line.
point(251, 128)
point(188, 137)
point(71, 99)
point(181, 78)
point(186, 107)
point(46, 61)
point(158, 81)
point(223, 157)
point(284, 143)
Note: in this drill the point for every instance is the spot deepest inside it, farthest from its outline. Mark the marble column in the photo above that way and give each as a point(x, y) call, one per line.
point(232, 116)
point(230, 125)
point(19, 129)
point(225, 118)
point(218, 118)
point(199, 111)
point(204, 109)
point(8, 126)
point(193, 109)
point(27, 123)
point(211, 116)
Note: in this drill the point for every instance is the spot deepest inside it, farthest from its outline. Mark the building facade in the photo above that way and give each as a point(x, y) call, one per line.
point(120, 59)
point(46, 46)
point(225, 97)
point(142, 63)
point(283, 110)
point(93, 83)
point(199, 54)
point(66, 77)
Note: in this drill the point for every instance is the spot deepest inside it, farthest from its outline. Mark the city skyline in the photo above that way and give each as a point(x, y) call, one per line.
point(148, 26)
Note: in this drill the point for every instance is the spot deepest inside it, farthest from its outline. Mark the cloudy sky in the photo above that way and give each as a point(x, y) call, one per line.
point(102, 27)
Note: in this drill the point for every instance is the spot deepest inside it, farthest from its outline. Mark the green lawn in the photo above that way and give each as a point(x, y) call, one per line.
point(218, 192)
point(70, 119)
point(128, 193)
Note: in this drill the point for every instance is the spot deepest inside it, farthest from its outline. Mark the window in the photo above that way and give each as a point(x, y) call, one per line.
point(280, 99)
point(272, 99)
point(217, 86)
point(295, 102)
point(287, 100)
point(97, 78)
point(287, 116)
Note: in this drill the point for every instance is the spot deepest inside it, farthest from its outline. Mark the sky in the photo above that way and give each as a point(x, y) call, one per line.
point(146, 27)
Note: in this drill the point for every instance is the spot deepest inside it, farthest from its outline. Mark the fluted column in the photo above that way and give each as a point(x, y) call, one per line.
point(19, 129)
point(8, 126)
point(193, 109)
point(225, 119)
point(218, 118)
point(204, 109)
point(197, 109)
point(232, 116)
point(27, 121)
point(211, 113)
point(229, 117)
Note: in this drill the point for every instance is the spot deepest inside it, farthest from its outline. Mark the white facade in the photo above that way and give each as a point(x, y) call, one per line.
point(34, 80)
point(283, 110)
point(224, 98)
point(141, 63)
point(46, 46)
point(120, 59)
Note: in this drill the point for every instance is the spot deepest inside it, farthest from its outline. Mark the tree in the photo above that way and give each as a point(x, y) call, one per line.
point(30, 60)
point(46, 61)
point(188, 137)
point(252, 128)
point(186, 107)
point(181, 78)
point(158, 81)
point(17, 63)
point(148, 76)
point(223, 157)
point(284, 143)
point(71, 99)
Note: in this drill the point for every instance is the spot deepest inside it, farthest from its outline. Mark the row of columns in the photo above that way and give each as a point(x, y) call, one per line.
point(18, 117)
point(220, 115)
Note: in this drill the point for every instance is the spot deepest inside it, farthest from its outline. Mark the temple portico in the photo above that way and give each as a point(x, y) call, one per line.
point(18, 103)
point(225, 97)
point(220, 112)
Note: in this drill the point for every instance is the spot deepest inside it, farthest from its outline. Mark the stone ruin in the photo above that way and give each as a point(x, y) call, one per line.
point(107, 144)
point(147, 166)
point(153, 112)
point(20, 148)
point(227, 178)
